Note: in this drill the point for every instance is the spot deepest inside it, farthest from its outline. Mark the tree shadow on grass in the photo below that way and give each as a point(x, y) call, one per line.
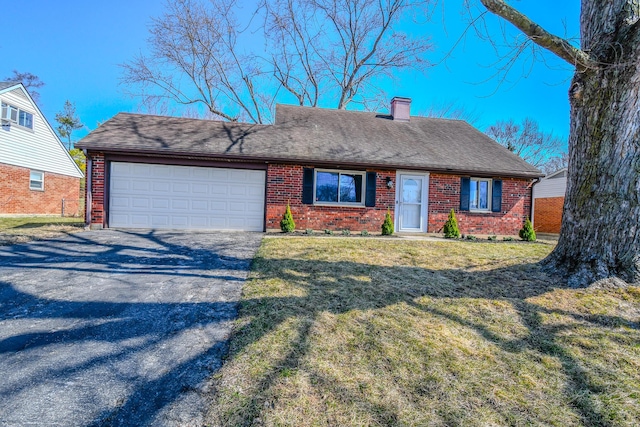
point(116, 328)
point(340, 287)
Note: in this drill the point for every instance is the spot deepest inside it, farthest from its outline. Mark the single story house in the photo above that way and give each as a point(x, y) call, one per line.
point(37, 174)
point(548, 201)
point(337, 169)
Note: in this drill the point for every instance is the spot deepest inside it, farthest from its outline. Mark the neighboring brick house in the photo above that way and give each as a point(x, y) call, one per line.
point(36, 171)
point(548, 201)
point(337, 169)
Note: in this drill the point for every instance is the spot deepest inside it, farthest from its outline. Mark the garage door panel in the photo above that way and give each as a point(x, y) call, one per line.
point(140, 203)
point(186, 197)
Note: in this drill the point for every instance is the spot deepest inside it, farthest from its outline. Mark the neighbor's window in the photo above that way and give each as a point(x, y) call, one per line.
point(17, 116)
point(36, 180)
point(339, 187)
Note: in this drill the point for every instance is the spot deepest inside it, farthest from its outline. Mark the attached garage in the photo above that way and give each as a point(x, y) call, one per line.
point(185, 197)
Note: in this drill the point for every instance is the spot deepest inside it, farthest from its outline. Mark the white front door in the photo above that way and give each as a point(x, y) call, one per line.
point(411, 196)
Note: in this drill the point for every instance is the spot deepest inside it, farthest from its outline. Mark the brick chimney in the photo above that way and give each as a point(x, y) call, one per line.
point(401, 109)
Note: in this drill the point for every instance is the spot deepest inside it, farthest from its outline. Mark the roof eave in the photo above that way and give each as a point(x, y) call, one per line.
point(314, 161)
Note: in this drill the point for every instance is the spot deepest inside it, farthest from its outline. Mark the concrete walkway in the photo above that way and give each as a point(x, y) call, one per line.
point(115, 327)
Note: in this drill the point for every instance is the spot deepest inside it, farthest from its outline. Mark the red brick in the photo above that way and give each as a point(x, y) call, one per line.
point(444, 195)
point(548, 214)
point(16, 198)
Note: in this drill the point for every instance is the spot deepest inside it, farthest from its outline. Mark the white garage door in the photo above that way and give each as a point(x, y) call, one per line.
point(185, 197)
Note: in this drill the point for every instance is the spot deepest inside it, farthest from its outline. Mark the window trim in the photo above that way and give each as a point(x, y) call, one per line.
point(41, 181)
point(489, 182)
point(363, 193)
point(8, 106)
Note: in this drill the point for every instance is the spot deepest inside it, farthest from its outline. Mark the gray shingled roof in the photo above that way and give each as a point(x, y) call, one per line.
point(316, 136)
point(4, 85)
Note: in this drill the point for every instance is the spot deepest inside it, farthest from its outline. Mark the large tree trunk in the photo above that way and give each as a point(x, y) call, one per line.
point(600, 234)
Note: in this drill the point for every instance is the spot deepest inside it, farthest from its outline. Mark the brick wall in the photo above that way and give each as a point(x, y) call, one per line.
point(16, 198)
point(284, 185)
point(97, 188)
point(548, 214)
point(444, 195)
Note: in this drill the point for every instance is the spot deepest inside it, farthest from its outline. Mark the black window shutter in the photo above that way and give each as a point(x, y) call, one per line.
point(496, 197)
point(307, 186)
point(370, 199)
point(465, 190)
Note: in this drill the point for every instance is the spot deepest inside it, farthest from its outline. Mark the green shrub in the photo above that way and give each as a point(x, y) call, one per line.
point(308, 231)
point(492, 238)
point(451, 230)
point(508, 239)
point(387, 225)
point(287, 225)
point(364, 233)
point(327, 231)
point(346, 232)
point(527, 233)
point(470, 237)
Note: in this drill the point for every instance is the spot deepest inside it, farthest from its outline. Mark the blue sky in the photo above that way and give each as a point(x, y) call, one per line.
point(75, 47)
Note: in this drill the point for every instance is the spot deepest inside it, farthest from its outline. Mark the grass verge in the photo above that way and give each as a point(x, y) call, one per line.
point(24, 229)
point(355, 332)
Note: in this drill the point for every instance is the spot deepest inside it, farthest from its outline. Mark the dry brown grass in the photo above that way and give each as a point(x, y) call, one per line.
point(364, 332)
point(24, 229)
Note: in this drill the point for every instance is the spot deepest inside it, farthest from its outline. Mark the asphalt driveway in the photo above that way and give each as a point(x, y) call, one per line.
point(116, 327)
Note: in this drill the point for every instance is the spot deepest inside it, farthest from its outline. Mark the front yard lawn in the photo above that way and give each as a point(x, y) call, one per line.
point(370, 332)
point(23, 229)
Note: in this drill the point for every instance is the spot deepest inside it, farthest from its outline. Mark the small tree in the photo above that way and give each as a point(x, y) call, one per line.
point(451, 230)
point(528, 233)
point(387, 225)
point(68, 122)
point(287, 225)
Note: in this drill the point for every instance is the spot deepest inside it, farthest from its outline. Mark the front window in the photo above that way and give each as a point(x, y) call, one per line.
point(480, 194)
point(36, 180)
point(339, 187)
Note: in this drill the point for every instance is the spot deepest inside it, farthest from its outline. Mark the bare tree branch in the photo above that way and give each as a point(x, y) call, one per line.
point(559, 46)
point(528, 141)
point(341, 44)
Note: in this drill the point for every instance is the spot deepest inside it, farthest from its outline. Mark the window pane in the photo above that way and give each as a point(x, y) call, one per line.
point(35, 180)
point(350, 188)
point(411, 191)
point(26, 119)
point(13, 111)
point(483, 195)
point(473, 195)
point(326, 187)
point(5, 111)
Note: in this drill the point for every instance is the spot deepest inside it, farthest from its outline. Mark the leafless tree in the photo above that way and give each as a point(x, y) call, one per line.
point(338, 48)
point(452, 110)
point(329, 51)
point(195, 58)
point(30, 81)
point(600, 234)
point(556, 163)
point(527, 141)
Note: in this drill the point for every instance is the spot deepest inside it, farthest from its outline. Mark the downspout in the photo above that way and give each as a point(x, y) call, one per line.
point(533, 201)
point(87, 185)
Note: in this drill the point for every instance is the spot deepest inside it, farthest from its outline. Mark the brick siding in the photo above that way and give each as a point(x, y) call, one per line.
point(548, 214)
point(97, 188)
point(16, 198)
point(284, 185)
point(444, 195)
